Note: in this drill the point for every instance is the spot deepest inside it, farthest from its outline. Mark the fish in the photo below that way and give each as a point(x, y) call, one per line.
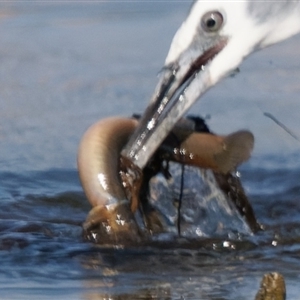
point(220, 153)
point(98, 160)
point(112, 183)
point(98, 163)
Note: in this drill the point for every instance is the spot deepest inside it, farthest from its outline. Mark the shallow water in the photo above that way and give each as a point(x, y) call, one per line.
point(65, 65)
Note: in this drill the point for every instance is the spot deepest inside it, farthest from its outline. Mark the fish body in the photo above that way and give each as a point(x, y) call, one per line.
point(98, 160)
point(115, 189)
point(99, 165)
point(219, 153)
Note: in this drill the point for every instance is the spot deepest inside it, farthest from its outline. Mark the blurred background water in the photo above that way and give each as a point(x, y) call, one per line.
point(64, 65)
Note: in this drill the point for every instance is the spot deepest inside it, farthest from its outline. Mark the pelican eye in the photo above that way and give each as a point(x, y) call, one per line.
point(212, 21)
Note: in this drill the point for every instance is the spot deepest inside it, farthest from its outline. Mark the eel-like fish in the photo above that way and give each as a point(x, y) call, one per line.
point(98, 163)
point(114, 194)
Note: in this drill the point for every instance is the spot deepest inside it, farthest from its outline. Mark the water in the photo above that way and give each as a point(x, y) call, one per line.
point(65, 65)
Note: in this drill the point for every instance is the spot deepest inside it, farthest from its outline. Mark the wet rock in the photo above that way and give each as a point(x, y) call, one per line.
point(272, 287)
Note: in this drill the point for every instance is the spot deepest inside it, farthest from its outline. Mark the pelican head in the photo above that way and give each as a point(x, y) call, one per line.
point(210, 44)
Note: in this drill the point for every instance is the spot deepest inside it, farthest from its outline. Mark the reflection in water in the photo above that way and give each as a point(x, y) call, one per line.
point(156, 292)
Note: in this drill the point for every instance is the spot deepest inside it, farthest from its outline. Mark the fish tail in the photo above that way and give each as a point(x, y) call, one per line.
point(237, 148)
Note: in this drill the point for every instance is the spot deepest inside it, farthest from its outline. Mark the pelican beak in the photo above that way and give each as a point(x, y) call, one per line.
point(181, 82)
point(210, 44)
